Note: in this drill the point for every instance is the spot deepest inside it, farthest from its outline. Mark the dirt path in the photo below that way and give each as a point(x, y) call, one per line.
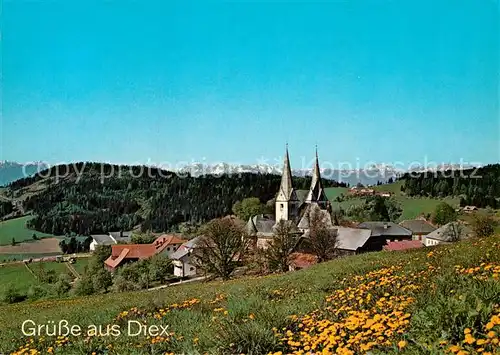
point(31, 271)
point(73, 270)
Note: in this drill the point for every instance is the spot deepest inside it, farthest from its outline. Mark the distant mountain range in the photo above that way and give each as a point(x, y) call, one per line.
point(369, 176)
point(12, 171)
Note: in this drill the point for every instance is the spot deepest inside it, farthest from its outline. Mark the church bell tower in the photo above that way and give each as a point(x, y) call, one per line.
point(287, 203)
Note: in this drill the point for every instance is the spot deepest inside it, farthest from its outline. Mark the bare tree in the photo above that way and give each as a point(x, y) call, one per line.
point(281, 247)
point(222, 246)
point(322, 235)
point(454, 231)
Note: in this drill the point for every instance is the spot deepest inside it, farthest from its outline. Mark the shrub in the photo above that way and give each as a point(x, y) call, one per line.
point(36, 292)
point(160, 267)
point(121, 284)
point(12, 295)
point(101, 281)
point(63, 285)
point(84, 286)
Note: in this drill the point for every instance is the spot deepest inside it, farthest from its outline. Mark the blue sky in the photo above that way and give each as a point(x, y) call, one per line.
point(164, 81)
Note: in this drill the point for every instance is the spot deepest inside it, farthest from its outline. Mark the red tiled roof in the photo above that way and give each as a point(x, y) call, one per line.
point(112, 263)
point(303, 260)
point(403, 245)
point(120, 252)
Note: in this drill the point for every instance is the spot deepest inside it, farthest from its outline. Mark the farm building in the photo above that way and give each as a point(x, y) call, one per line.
point(109, 239)
point(125, 253)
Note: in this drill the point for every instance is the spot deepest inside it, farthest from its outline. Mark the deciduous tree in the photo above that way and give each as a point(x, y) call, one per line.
point(323, 238)
point(221, 247)
point(248, 207)
point(443, 214)
point(281, 246)
point(483, 225)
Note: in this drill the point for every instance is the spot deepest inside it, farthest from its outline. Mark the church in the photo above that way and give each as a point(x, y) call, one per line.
point(293, 205)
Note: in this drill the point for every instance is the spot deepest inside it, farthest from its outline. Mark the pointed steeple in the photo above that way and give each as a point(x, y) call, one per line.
point(316, 192)
point(286, 187)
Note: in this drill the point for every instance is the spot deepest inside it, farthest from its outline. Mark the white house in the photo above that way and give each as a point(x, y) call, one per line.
point(448, 233)
point(101, 239)
point(182, 259)
point(109, 239)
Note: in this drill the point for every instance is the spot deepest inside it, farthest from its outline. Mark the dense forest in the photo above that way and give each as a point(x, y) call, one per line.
point(97, 198)
point(6, 207)
point(478, 187)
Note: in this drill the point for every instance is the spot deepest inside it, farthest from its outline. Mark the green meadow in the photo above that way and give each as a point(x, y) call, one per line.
point(412, 206)
point(440, 298)
point(16, 228)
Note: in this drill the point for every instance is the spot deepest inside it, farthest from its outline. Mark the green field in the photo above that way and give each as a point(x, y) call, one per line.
point(437, 299)
point(16, 228)
point(412, 206)
point(16, 275)
point(80, 264)
point(40, 267)
point(333, 192)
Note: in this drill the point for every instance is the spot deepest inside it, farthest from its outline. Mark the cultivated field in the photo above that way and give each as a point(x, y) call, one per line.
point(18, 275)
point(42, 246)
point(426, 301)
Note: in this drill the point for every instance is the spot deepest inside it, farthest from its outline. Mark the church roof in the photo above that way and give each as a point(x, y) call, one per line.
point(316, 192)
point(286, 191)
point(311, 209)
point(260, 225)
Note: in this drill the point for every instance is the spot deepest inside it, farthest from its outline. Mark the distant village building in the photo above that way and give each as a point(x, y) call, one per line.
point(365, 192)
point(449, 233)
point(418, 227)
point(470, 209)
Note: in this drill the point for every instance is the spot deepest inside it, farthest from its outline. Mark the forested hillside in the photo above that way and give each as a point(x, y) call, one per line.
point(479, 187)
point(105, 197)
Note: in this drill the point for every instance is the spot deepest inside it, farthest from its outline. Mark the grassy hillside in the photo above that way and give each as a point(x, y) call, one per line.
point(16, 228)
point(417, 302)
point(333, 192)
point(412, 206)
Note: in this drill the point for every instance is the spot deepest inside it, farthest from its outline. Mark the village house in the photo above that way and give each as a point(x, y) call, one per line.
point(109, 239)
point(384, 232)
point(183, 259)
point(126, 253)
point(449, 233)
point(419, 228)
point(470, 209)
point(349, 241)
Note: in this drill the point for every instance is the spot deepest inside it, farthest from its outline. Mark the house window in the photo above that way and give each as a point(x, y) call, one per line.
point(281, 205)
point(191, 268)
point(168, 249)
